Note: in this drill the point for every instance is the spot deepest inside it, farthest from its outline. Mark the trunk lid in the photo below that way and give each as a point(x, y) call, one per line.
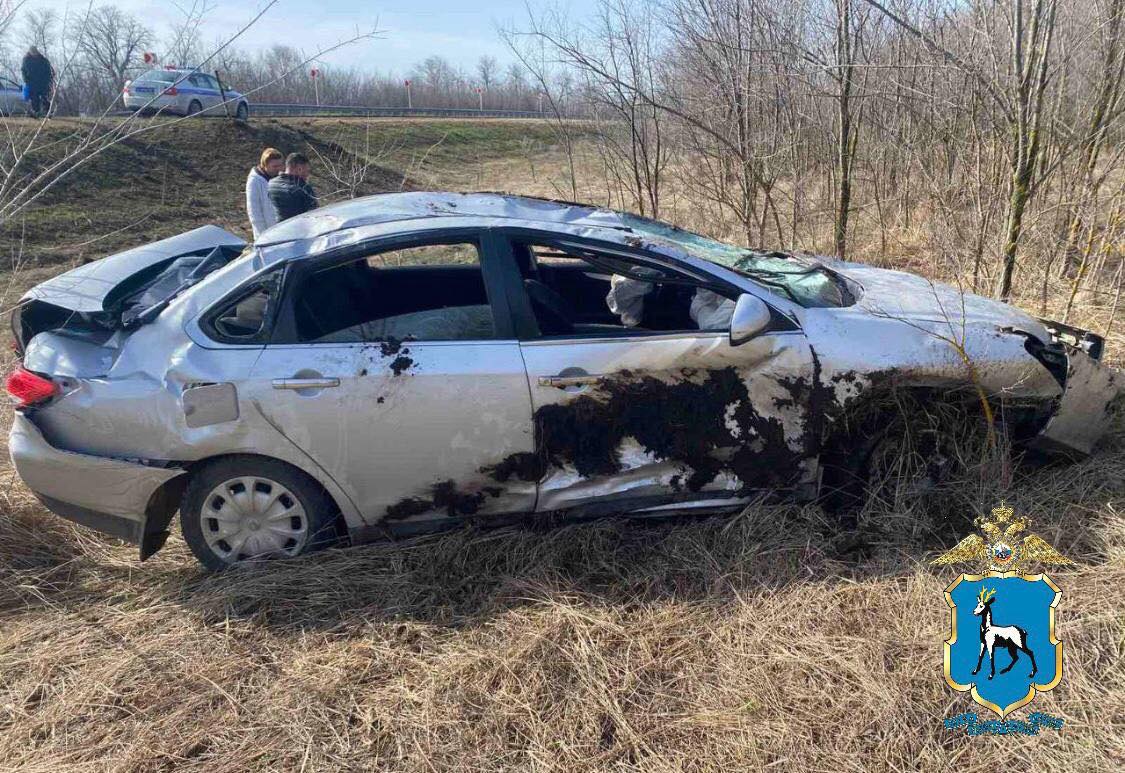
point(94, 300)
point(93, 288)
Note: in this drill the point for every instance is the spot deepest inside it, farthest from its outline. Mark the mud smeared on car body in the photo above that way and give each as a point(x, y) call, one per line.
point(444, 496)
point(704, 422)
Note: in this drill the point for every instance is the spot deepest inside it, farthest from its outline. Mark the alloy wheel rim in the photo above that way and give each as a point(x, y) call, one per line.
point(251, 517)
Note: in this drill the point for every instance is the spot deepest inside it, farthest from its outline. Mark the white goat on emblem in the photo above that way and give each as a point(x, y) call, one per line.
point(1011, 637)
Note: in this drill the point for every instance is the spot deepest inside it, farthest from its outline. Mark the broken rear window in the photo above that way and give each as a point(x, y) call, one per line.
point(802, 280)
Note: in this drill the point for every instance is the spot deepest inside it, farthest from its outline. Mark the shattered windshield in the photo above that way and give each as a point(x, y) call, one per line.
point(801, 280)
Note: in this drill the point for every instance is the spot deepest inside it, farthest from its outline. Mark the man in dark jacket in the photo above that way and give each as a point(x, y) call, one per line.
point(38, 77)
point(290, 191)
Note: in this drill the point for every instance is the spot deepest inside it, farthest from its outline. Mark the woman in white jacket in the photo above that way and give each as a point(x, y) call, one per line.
point(258, 204)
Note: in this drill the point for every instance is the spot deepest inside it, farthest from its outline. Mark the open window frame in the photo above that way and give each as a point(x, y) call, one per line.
point(492, 256)
point(605, 256)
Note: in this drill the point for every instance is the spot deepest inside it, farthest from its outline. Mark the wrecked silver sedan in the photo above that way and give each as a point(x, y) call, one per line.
point(403, 362)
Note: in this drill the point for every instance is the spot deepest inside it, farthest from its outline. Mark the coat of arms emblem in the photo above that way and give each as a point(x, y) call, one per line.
point(1002, 646)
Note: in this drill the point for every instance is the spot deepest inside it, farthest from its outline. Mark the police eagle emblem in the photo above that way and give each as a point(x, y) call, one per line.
point(1025, 603)
point(1000, 549)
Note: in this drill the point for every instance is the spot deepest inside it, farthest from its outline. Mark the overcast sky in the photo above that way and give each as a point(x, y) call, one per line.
point(412, 29)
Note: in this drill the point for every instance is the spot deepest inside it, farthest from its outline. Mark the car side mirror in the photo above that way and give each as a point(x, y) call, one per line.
point(751, 316)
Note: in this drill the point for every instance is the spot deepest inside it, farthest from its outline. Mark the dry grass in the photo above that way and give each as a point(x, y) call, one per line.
point(692, 645)
point(761, 642)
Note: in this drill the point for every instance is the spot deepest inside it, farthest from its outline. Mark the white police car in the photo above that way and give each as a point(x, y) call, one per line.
point(182, 92)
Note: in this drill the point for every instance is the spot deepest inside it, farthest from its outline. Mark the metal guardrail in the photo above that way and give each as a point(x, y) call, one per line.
point(268, 110)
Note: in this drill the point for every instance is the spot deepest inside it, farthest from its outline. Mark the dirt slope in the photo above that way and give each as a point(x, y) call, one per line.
point(178, 175)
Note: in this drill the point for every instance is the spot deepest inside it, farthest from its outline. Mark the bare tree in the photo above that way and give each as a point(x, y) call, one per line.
point(532, 53)
point(41, 28)
point(185, 34)
point(1102, 112)
point(487, 70)
point(111, 42)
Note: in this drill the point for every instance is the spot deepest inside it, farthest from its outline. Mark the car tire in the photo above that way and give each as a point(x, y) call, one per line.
point(287, 513)
point(933, 437)
point(243, 111)
point(194, 107)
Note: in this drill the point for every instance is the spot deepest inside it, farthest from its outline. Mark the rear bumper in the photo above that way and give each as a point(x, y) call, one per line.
point(164, 104)
point(109, 495)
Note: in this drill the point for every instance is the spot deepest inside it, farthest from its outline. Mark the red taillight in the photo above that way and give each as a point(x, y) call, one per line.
point(171, 91)
point(30, 388)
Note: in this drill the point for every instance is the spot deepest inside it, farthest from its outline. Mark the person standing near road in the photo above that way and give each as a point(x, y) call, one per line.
point(39, 78)
point(290, 191)
point(258, 205)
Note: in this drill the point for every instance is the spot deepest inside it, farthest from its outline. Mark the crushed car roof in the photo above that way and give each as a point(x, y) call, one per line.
point(392, 207)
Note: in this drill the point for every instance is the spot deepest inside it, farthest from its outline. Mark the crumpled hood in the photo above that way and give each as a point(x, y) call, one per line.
point(900, 295)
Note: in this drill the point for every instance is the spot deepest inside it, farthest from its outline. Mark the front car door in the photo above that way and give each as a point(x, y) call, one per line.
point(201, 90)
point(661, 411)
point(395, 369)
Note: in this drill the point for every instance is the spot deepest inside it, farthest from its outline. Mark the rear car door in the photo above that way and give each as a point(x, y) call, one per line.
point(396, 371)
point(659, 412)
point(199, 89)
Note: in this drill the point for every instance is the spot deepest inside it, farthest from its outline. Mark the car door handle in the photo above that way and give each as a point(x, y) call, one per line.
point(305, 383)
point(562, 382)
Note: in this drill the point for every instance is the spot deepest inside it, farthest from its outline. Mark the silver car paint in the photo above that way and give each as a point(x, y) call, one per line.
point(402, 432)
point(85, 288)
point(95, 483)
point(1090, 388)
point(461, 409)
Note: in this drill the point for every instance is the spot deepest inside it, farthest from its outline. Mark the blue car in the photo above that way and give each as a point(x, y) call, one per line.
point(12, 99)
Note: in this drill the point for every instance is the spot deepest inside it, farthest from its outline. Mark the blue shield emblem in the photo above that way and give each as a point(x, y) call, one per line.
point(1002, 645)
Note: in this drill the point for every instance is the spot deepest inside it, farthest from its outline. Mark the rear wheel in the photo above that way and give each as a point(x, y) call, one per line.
point(194, 107)
point(243, 111)
point(241, 509)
